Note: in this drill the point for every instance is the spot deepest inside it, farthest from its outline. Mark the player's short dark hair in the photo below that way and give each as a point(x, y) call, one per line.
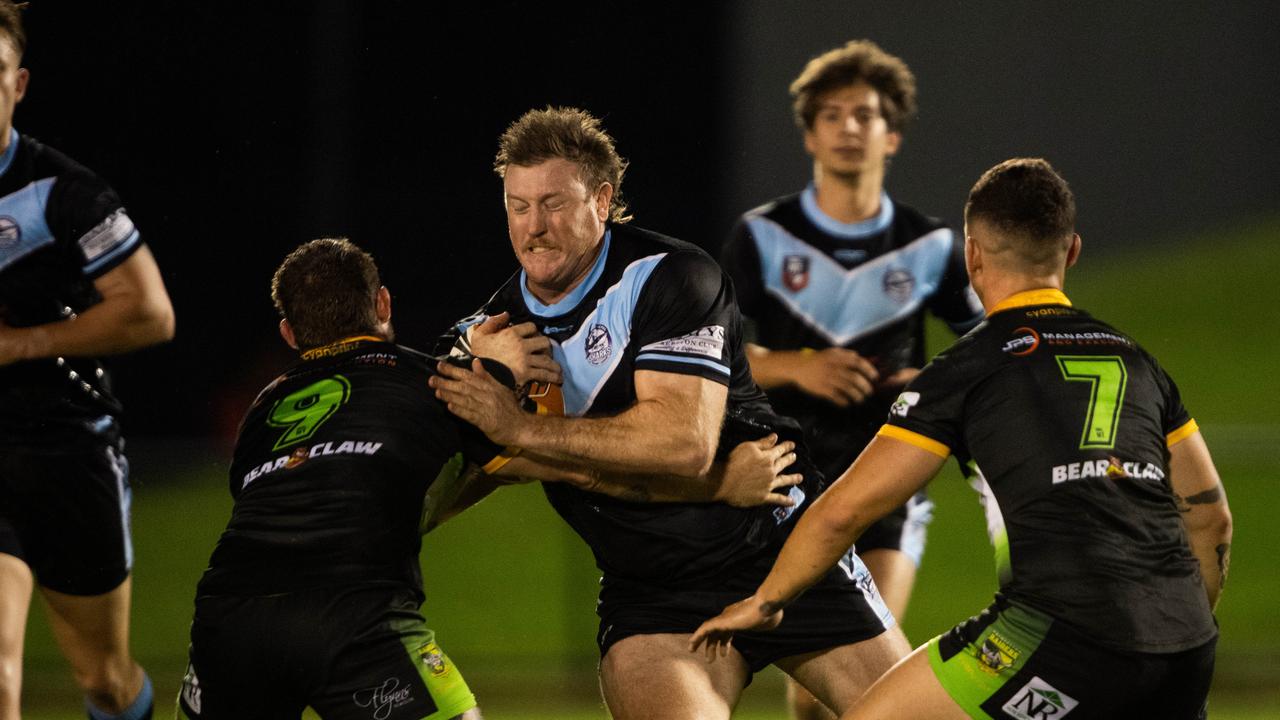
point(856, 61)
point(327, 290)
point(11, 24)
point(1029, 203)
point(572, 134)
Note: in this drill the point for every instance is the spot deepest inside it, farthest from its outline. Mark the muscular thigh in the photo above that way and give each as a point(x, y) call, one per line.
point(655, 677)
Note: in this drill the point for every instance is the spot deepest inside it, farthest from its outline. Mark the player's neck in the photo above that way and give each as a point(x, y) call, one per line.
point(848, 199)
point(998, 289)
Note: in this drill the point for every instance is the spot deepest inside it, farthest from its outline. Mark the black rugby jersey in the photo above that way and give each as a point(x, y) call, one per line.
point(330, 472)
point(652, 302)
point(1062, 423)
point(808, 281)
point(61, 227)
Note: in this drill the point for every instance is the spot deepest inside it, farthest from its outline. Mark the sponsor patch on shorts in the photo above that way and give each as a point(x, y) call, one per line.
point(1038, 700)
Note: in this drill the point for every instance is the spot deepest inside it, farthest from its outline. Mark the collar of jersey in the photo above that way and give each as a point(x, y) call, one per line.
point(338, 347)
point(7, 159)
point(1042, 296)
point(568, 302)
point(846, 231)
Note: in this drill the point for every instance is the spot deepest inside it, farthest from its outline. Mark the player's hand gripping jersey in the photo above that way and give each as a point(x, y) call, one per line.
point(806, 281)
point(654, 303)
point(1062, 424)
point(61, 227)
point(330, 472)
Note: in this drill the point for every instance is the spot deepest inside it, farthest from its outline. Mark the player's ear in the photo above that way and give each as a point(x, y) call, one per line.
point(20, 87)
point(382, 304)
point(604, 196)
point(1073, 250)
point(286, 332)
point(892, 141)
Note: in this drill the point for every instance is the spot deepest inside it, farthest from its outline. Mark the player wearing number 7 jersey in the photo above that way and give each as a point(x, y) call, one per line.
point(1110, 525)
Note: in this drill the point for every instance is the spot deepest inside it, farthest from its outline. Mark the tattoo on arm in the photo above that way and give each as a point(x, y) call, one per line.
point(1224, 562)
point(1208, 497)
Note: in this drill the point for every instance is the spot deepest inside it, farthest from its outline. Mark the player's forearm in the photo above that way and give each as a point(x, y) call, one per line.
point(647, 438)
point(821, 538)
point(1209, 530)
point(116, 325)
point(771, 368)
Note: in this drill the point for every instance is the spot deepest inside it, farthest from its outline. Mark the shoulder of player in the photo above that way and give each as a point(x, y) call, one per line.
point(915, 223)
point(47, 161)
point(779, 206)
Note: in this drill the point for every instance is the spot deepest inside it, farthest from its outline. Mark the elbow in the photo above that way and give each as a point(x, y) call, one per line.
point(155, 322)
point(693, 459)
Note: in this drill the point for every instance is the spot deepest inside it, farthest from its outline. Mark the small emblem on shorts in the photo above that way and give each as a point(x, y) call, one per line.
point(1038, 700)
point(898, 284)
point(383, 698)
point(996, 653)
point(433, 657)
point(795, 272)
point(191, 689)
point(10, 232)
point(599, 345)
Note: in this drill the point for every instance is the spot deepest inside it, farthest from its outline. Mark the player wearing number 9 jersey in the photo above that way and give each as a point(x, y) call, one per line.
point(1110, 525)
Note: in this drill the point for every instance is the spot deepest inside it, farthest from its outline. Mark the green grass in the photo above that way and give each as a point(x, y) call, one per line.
point(511, 591)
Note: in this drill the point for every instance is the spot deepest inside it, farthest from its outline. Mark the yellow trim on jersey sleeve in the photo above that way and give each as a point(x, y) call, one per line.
point(1181, 433)
point(915, 438)
point(507, 455)
point(1043, 296)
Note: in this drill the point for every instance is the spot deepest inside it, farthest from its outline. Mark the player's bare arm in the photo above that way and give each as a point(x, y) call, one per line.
point(885, 475)
point(135, 312)
point(1203, 504)
point(672, 428)
point(837, 375)
point(520, 347)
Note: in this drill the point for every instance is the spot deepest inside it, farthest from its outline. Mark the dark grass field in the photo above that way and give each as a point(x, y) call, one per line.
point(510, 591)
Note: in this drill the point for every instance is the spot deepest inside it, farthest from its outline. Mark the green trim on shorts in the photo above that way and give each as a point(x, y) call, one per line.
point(443, 679)
point(980, 669)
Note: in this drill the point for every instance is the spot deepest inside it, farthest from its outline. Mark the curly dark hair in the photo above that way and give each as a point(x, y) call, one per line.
point(856, 60)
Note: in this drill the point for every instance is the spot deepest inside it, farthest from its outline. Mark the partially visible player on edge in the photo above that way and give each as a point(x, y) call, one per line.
point(1111, 527)
point(311, 596)
point(647, 333)
point(76, 284)
point(835, 282)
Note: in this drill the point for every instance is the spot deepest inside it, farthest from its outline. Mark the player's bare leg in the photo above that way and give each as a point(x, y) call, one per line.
point(895, 574)
point(15, 598)
point(909, 690)
point(93, 632)
point(655, 677)
point(838, 676)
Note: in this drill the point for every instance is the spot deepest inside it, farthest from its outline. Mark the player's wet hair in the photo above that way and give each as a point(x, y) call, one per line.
point(856, 61)
point(1031, 206)
point(11, 24)
point(568, 133)
point(327, 290)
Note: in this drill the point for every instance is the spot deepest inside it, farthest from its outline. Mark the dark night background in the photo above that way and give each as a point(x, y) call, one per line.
point(235, 131)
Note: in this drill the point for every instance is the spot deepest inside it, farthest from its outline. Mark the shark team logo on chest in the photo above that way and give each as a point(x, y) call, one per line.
point(898, 284)
point(795, 272)
point(599, 345)
point(10, 232)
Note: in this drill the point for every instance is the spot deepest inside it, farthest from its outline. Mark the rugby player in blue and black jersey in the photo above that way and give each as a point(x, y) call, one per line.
point(311, 596)
point(1110, 524)
point(647, 334)
point(836, 282)
point(76, 284)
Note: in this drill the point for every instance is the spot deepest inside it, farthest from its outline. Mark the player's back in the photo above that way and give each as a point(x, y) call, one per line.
point(329, 475)
point(1063, 424)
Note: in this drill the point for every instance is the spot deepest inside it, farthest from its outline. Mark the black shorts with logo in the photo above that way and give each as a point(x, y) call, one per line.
point(64, 511)
point(1012, 661)
point(346, 652)
point(842, 608)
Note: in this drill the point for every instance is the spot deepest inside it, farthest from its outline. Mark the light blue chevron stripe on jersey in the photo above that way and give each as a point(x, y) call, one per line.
point(713, 364)
point(591, 355)
point(844, 305)
point(23, 229)
point(846, 231)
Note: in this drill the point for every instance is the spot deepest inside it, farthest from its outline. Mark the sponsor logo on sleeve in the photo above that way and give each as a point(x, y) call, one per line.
point(898, 284)
point(705, 341)
point(106, 235)
point(1038, 700)
point(795, 272)
point(598, 345)
point(904, 403)
point(1025, 340)
point(433, 657)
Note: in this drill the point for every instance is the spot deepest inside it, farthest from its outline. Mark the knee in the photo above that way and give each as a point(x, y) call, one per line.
point(10, 678)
